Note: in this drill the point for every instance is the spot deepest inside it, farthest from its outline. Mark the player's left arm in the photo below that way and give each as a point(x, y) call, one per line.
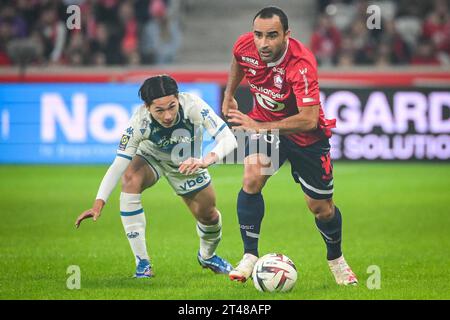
point(225, 140)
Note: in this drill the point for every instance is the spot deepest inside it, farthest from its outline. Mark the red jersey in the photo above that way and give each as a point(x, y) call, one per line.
point(282, 87)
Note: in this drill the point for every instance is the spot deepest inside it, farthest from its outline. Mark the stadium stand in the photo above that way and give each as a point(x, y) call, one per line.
point(137, 32)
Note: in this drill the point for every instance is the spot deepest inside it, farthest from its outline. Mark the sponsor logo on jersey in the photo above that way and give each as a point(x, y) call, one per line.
point(164, 142)
point(274, 95)
point(269, 103)
point(250, 60)
point(123, 142)
point(191, 183)
point(278, 81)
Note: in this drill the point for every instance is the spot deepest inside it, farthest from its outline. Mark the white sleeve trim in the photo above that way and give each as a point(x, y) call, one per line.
point(109, 182)
point(226, 142)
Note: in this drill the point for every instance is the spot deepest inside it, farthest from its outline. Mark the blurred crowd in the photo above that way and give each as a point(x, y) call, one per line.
point(413, 32)
point(135, 32)
point(112, 32)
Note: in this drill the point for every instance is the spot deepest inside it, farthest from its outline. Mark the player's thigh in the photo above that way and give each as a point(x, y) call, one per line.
point(202, 204)
point(257, 170)
point(138, 176)
point(264, 154)
point(312, 168)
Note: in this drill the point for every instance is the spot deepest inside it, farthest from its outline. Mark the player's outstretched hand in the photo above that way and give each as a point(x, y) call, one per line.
point(229, 104)
point(93, 213)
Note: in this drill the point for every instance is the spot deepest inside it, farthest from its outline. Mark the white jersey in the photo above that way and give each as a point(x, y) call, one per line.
point(147, 135)
point(164, 148)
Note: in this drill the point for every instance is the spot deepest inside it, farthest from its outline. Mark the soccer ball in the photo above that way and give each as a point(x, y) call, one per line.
point(274, 272)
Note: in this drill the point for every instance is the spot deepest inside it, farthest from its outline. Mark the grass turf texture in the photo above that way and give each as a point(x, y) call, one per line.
point(396, 216)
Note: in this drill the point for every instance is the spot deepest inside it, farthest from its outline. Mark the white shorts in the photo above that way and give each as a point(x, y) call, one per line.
point(182, 184)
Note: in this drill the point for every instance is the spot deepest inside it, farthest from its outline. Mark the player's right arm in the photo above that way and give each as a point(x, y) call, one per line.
point(127, 149)
point(235, 77)
point(109, 182)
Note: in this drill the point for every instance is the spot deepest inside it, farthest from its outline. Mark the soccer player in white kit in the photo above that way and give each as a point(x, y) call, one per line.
point(164, 138)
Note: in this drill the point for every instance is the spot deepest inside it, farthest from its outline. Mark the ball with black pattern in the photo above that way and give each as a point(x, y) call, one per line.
point(274, 272)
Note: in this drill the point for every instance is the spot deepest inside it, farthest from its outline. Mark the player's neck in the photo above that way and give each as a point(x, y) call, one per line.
point(280, 56)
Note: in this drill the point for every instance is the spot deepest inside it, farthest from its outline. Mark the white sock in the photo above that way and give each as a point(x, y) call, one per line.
point(209, 237)
point(133, 220)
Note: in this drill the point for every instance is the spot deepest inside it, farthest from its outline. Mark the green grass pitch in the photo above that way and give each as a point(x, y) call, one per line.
point(396, 216)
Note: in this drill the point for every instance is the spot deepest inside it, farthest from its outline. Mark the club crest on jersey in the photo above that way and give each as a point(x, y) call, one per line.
point(279, 70)
point(278, 81)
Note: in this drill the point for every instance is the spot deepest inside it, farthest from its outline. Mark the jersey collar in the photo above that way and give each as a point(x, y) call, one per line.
point(275, 63)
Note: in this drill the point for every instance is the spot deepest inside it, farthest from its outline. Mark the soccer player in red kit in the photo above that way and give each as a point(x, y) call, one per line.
point(282, 75)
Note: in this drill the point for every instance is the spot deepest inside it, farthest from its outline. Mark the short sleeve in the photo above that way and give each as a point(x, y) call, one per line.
point(305, 83)
point(202, 114)
point(131, 138)
point(240, 44)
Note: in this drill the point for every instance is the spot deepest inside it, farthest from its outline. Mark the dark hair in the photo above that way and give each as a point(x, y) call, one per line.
point(269, 12)
point(157, 87)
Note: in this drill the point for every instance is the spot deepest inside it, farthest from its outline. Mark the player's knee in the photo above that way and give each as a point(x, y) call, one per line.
point(131, 181)
point(208, 216)
point(322, 209)
point(253, 182)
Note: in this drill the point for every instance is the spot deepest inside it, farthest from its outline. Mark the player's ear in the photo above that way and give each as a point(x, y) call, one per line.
point(287, 33)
